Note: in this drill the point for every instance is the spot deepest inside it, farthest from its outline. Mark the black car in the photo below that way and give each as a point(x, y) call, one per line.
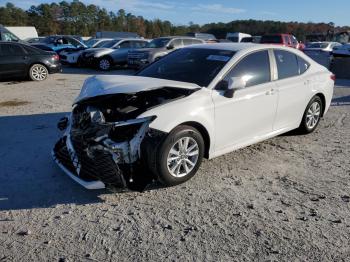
point(21, 60)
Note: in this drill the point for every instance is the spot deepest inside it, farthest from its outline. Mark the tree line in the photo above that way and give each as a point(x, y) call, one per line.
point(76, 18)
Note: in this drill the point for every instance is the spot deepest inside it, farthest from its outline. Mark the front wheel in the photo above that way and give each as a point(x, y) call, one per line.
point(312, 115)
point(38, 72)
point(104, 64)
point(179, 156)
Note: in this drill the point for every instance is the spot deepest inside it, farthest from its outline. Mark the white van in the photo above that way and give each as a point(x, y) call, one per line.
point(239, 37)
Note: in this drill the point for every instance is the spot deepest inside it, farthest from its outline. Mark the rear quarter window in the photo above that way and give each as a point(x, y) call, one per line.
point(303, 65)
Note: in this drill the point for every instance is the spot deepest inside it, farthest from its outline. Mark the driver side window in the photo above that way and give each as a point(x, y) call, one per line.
point(254, 69)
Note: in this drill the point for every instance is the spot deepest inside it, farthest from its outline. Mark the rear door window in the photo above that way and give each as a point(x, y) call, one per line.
point(254, 69)
point(287, 64)
point(139, 44)
point(12, 50)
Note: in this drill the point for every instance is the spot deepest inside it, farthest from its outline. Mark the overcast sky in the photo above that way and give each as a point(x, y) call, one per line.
point(204, 11)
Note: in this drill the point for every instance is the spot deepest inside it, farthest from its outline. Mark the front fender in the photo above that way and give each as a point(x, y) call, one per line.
point(197, 108)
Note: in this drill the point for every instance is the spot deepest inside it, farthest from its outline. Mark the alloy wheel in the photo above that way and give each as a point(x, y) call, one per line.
point(39, 72)
point(105, 64)
point(183, 157)
point(313, 115)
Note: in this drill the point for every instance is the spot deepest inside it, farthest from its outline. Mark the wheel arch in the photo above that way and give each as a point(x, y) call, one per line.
point(203, 131)
point(323, 99)
point(36, 63)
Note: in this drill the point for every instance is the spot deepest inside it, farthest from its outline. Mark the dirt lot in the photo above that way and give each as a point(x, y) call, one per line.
point(286, 199)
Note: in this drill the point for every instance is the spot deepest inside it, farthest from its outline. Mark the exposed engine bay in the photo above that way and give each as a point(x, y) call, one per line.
point(103, 136)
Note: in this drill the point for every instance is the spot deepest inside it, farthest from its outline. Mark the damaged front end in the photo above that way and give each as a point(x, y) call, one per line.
point(101, 145)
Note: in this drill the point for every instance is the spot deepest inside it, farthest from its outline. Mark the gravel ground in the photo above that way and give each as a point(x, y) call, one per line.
point(286, 199)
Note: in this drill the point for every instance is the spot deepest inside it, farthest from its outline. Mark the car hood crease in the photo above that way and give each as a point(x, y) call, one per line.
point(109, 85)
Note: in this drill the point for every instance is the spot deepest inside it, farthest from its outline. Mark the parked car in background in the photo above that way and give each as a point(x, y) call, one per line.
point(341, 51)
point(21, 60)
point(34, 40)
point(97, 42)
point(256, 39)
point(319, 48)
point(321, 52)
point(158, 48)
point(239, 37)
point(6, 35)
point(72, 57)
point(199, 101)
point(208, 38)
point(280, 39)
point(59, 43)
point(112, 53)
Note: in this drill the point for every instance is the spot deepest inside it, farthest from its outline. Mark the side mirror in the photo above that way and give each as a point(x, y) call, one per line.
point(231, 86)
point(169, 47)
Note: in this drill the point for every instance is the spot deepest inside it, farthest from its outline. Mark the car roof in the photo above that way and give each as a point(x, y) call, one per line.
point(179, 36)
point(236, 47)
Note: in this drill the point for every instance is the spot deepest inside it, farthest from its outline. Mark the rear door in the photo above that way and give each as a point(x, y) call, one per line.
point(13, 61)
point(293, 86)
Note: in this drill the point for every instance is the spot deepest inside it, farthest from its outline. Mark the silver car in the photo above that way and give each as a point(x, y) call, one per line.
point(321, 52)
point(158, 48)
point(112, 53)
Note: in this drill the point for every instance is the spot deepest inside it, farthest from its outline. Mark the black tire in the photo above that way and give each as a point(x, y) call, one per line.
point(38, 72)
point(104, 63)
point(304, 127)
point(160, 167)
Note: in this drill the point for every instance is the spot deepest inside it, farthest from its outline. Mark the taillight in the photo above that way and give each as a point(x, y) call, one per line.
point(333, 77)
point(55, 57)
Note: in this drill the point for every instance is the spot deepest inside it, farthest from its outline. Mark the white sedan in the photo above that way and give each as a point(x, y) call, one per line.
point(198, 102)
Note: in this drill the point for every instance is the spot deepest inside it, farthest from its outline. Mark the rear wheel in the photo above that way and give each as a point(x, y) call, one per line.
point(312, 115)
point(38, 72)
point(179, 156)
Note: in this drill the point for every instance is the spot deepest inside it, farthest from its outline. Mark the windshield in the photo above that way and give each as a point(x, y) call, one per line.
point(110, 44)
point(192, 65)
point(9, 37)
point(271, 39)
point(91, 42)
point(158, 43)
point(317, 45)
point(101, 43)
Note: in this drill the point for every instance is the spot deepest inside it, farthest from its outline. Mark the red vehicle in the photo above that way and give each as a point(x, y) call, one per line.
point(281, 39)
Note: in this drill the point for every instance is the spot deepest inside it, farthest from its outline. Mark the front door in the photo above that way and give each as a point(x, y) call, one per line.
point(249, 115)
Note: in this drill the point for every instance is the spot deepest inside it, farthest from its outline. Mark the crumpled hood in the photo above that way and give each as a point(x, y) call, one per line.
point(120, 84)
